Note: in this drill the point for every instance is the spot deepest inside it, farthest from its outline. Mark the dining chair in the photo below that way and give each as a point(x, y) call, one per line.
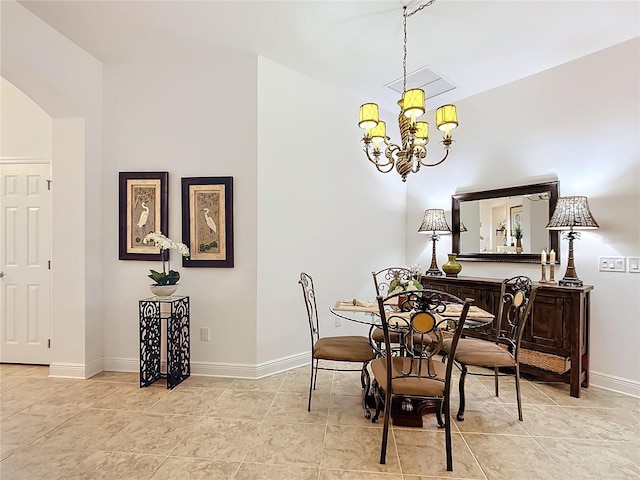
point(382, 281)
point(352, 349)
point(416, 375)
point(516, 300)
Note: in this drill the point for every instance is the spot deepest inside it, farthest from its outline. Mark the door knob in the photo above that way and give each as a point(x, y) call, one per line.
point(1, 274)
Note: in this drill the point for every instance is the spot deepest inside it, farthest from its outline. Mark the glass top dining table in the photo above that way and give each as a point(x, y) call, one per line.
point(368, 313)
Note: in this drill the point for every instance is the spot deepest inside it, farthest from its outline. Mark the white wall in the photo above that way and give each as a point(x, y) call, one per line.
point(192, 118)
point(25, 129)
point(322, 209)
point(577, 123)
point(67, 83)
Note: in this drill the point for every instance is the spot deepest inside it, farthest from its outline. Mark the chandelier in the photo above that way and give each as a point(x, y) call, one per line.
point(410, 155)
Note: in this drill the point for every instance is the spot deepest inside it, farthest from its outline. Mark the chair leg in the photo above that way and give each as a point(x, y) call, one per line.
point(447, 433)
point(463, 375)
point(310, 385)
point(439, 414)
point(495, 371)
point(518, 391)
point(376, 394)
point(385, 428)
point(365, 379)
point(315, 375)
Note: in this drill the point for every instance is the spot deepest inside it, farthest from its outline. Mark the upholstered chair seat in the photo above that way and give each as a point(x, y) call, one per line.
point(345, 349)
point(472, 351)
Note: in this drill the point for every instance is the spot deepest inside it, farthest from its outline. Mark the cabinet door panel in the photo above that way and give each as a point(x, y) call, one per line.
point(546, 324)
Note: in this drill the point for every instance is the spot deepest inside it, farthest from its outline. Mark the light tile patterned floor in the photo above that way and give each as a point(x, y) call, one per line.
point(214, 428)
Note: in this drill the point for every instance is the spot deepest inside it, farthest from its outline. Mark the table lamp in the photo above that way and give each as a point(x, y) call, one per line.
point(432, 223)
point(572, 213)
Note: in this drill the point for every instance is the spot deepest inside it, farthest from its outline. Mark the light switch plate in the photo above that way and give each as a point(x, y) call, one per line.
point(633, 264)
point(612, 264)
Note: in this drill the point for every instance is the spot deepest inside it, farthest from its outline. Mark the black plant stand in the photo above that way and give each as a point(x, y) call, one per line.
point(175, 310)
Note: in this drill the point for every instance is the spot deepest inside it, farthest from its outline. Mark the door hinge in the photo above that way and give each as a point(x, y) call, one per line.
point(49, 184)
point(49, 264)
point(48, 343)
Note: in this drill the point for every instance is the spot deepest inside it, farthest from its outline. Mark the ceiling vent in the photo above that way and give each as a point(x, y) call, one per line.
point(432, 83)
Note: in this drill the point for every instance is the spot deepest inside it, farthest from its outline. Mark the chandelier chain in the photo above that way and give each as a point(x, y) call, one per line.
point(421, 7)
point(410, 154)
point(404, 44)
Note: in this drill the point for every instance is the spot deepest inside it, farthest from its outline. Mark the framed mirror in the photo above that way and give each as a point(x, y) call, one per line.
point(505, 224)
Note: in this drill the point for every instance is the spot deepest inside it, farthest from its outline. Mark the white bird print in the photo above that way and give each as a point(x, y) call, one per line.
point(142, 222)
point(210, 223)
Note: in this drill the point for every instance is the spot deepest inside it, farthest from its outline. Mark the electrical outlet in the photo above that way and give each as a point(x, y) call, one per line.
point(338, 322)
point(204, 334)
point(611, 264)
point(633, 264)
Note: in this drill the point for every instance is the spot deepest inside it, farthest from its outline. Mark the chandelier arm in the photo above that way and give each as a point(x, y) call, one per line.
point(434, 164)
point(380, 166)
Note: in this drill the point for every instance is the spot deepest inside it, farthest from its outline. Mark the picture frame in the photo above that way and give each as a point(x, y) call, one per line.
point(207, 221)
point(515, 215)
point(143, 208)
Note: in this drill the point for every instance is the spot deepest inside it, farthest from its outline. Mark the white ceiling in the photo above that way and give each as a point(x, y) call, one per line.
point(356, 45)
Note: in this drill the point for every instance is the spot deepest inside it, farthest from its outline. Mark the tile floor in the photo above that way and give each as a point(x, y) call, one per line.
point(218, 428)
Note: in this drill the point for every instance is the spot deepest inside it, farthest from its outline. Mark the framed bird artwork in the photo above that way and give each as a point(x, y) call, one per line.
point(143, 208)
point(207, 221)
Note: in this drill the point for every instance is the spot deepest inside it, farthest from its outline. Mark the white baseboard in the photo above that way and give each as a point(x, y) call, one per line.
point(219, 369)
point(616, 384)
point(75, 370)
point(239, 370)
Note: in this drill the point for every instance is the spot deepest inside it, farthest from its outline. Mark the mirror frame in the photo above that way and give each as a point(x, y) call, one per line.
point(554, 235)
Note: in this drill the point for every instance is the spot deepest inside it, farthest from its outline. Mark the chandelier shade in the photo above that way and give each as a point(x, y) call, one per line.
point(413, 104)
point(446, 118)
point(410, 153)
point(368, 116)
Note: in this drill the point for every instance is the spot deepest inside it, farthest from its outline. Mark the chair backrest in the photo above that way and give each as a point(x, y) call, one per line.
point(427, 317)
point(309, 294)
point(516, 301)
point(384, 277)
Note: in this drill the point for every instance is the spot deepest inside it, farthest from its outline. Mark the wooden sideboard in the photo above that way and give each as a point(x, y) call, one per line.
point(555, 343)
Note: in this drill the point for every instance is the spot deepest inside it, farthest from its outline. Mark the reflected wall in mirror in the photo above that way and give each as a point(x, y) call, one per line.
point(506, 224)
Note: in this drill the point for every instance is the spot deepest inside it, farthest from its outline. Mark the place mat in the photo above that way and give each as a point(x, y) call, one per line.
point(474, 312)
point(355, 305)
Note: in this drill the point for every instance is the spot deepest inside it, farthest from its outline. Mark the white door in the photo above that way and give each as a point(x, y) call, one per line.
point(24, 262)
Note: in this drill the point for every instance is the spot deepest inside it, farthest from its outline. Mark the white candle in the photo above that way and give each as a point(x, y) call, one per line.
point(552, 256)
point(543, 256)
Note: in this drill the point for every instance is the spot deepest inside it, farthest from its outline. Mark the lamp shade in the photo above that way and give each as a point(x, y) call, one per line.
point(446, 118)
point(572, 213)
point(434, 221)
point(368, 116)
point(413, 103)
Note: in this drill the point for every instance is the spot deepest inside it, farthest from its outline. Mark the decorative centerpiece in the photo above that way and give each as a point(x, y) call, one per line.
point(399, 285)
point(166, 282)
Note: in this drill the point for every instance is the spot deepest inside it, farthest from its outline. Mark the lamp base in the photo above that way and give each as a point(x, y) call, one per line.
point(435, 272)
point(570, 282)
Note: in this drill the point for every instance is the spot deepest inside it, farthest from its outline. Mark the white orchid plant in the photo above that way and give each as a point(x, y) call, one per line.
point(165, 277)
point(400, 285)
